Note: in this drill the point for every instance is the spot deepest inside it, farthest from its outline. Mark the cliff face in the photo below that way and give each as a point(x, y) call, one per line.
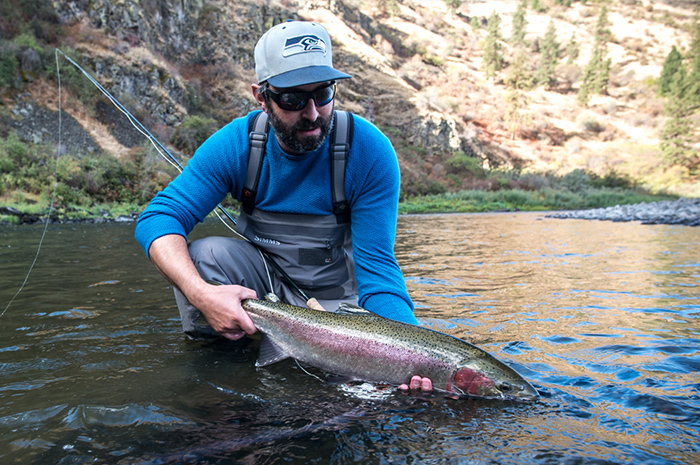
point(417, 73)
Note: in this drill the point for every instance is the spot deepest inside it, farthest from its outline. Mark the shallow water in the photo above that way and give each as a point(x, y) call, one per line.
point(603, 318)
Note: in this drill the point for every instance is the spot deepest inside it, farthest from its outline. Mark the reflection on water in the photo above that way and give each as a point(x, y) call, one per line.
point(601, 317)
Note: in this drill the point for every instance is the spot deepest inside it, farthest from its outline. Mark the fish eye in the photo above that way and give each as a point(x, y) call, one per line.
point(505, 387)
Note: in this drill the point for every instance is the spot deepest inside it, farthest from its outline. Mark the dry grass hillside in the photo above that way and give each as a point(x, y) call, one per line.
point(442, 82)
point(417, 73)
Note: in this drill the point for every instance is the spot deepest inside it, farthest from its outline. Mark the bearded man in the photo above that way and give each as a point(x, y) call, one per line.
point(321, 205)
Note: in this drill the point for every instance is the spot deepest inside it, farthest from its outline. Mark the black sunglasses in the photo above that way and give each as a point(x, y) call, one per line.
point(296, 101)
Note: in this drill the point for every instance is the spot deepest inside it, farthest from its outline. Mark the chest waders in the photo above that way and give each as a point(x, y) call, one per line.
point(314, 250)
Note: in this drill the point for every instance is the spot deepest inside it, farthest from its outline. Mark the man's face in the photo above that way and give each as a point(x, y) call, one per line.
point(300, 131)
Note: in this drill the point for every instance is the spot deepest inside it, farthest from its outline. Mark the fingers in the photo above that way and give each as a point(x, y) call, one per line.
point(222, 309)
point(418, 382)
point(233, 335)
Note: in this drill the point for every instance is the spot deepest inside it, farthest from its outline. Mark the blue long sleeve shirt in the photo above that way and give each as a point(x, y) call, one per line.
point(298, 184)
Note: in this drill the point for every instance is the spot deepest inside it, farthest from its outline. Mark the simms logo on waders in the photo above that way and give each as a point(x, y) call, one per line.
point(302, 44)
point(265, 240)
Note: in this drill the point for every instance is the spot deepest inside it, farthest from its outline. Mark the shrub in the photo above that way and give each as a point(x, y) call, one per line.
point(193, 132)
point(461, 164)
point(588, 122)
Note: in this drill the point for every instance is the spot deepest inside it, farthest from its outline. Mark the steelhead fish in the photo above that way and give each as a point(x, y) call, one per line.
point(364, 346)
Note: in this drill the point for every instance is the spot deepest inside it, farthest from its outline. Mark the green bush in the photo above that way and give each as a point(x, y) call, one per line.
point(193, 132)
point(9, 66)
point(461, 164)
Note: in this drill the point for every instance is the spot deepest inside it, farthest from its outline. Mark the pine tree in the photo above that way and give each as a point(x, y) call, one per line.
point(474, 23)
point(694, 56)
point(453, 5)
point(519, 76)
point(672, 64)
point(694, 52)
point(549, 57)
point(517, 35)
point(572, 49)
point(493, 58)
point(597, 73)
point(680, 132)
point(516, 101)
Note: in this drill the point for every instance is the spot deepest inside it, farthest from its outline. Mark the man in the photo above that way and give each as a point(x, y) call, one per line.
point(332, 256)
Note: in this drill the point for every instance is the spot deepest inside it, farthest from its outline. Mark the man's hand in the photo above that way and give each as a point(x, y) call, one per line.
point(418, 382)
point(221, 306)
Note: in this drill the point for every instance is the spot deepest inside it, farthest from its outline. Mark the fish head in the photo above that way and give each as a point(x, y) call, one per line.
point(503, 383)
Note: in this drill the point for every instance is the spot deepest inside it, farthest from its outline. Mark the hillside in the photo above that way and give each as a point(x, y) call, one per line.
point(185, 68)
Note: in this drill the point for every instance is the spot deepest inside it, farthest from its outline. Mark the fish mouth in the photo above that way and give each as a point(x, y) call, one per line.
point(521, 391)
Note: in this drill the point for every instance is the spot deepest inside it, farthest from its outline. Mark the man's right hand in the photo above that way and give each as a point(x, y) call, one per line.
point(220, 305)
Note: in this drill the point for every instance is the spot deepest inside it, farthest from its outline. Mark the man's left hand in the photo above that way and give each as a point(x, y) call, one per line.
point(418, 382)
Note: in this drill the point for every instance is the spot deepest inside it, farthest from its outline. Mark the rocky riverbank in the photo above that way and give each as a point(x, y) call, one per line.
point(104, 216)
point(682, 211)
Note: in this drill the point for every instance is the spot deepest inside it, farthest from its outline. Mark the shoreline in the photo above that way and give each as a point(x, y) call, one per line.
point(24, 218)
point(684, 211)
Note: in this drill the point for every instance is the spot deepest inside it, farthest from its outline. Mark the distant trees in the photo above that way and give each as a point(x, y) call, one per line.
point(572, 49)
point(549, 57)
point(672, 64)
point(453, 4)
point(493, 57)
point(517, 35)
point(597, 73)
point(679, 82)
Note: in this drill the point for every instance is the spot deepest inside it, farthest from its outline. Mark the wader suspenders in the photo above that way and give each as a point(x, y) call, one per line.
point(340, 139)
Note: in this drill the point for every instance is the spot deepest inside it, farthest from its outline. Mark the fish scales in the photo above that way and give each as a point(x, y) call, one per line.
point(368, 347)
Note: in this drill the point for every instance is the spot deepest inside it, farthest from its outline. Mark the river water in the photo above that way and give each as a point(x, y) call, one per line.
point(603, 318)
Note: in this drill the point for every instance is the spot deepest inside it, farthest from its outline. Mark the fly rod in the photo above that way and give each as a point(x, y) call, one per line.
point(173, 161)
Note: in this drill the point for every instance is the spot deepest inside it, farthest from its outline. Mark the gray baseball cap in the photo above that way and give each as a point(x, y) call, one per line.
point(294, 54)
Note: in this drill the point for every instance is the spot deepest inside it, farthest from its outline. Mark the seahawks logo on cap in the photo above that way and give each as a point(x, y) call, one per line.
point(303, 44)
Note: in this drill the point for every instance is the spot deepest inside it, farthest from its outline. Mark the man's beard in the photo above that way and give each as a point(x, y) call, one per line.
point(288, 134)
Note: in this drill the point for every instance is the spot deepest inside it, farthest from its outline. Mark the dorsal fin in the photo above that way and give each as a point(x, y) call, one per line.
point(351, 309)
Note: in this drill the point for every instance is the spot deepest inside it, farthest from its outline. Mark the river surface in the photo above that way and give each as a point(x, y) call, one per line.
point(602, 318)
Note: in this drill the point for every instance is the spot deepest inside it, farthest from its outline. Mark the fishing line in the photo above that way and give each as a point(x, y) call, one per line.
point(53, 194)
point(163, 152)
point(304, 370)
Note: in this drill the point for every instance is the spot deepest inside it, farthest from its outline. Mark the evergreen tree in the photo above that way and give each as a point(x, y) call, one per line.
point(453, 4)
point(572, 49)
point(597, 73)
point(694, 52)
point(474, 23)
point(679, 135)
point(493, 58)
point(672, 65)
point(514, 117)
point(519, 76)
point(694, 56)
point(549, 57)
point(517, 35)
point(681, 132)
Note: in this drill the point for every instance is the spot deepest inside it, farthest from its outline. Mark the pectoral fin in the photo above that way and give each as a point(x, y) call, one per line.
point(269, 353)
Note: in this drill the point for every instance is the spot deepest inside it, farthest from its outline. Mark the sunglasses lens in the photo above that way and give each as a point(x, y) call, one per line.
point(295, 101)
point(324, 96)
point(292, 101)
